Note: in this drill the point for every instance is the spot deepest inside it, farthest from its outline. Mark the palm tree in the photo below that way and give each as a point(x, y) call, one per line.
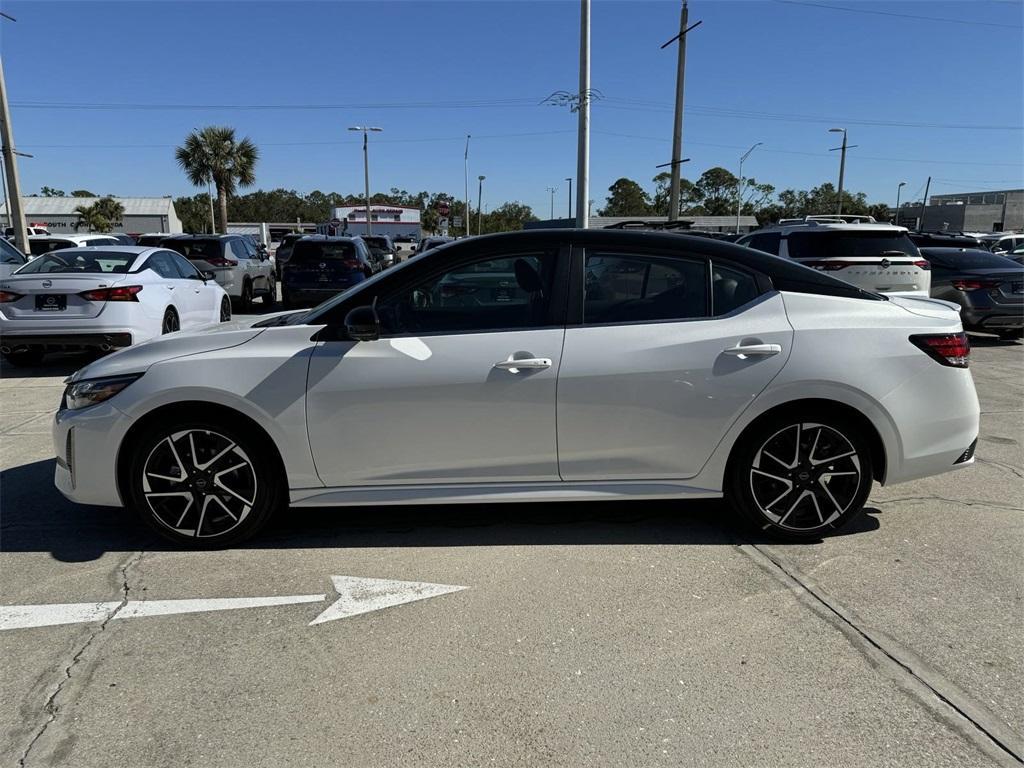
point(91, 217)
point(110, 209)
point(211, 154)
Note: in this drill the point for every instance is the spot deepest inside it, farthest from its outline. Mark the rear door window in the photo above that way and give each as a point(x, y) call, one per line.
point(162, 263)
point(628, 288)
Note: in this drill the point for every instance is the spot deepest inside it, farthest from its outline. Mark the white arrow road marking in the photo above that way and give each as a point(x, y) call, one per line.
point(356, 595)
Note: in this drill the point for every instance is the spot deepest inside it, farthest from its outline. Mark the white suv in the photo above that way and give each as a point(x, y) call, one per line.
point(234, 262)
point(1003, 242)
point(879, 258)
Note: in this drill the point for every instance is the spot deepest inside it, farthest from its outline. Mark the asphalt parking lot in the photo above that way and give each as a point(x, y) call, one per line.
point(619, 634)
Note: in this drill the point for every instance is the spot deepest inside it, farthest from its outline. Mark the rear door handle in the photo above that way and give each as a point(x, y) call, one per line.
point(753, 350)
point(524, 363)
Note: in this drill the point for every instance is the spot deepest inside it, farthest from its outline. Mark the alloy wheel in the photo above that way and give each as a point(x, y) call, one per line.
point(805, 476)
point(225, 310)
point(199, 483)
point(170, 324)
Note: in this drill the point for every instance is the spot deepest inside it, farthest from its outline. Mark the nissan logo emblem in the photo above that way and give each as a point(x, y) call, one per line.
point(50, 301)
point(323, 265)
point(47, 283)
point(884, 264)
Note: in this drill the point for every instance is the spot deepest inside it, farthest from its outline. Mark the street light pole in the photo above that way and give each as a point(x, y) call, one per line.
point(583, 129)
point(15, 213)
point(479, 205)
point(366, 168)
point(739, 187)
point(467, 183)
point(568, 215)
point(842, 166)
point(896, 216)
point(552, 190)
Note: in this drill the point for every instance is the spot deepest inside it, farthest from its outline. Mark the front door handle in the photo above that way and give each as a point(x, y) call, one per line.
point(523, 364)
point(743, 351)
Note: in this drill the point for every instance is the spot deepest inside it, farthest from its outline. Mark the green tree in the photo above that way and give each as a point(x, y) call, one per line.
point(212, 154)
point(627, 198)
point(111, 210)
point(194, 213)
point(83, 193)
point(716, 189)
point(688, 198)
point(51, 192)
point(91, 217)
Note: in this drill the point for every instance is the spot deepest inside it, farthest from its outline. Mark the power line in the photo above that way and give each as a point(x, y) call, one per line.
point(899, 15)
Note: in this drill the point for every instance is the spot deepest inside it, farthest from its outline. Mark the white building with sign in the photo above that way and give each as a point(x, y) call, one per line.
point(57, 214)
point(385, 219)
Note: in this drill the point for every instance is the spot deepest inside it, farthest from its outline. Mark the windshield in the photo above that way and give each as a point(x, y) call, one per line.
point(847, 243)
point(195, 249)
point(973, 259)
point(9, 254)
point(376, 243)
point(80, 262)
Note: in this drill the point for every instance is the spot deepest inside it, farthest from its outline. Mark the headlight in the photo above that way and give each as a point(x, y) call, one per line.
point(82, 394)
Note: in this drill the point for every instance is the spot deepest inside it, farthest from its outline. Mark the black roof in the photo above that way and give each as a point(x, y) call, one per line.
point(785, 274)
point(199, 237)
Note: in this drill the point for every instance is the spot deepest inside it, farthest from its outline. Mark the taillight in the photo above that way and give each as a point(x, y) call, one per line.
point(973, 285)
point(952, 349)
point(120, 293)
point(351, 264)
point(828, 266)
point(6, 297)
point(922, 264)
point(220, 261)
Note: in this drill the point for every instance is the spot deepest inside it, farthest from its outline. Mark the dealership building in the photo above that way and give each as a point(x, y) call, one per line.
point(385, 219)
point(57, 214)
point(987, 211)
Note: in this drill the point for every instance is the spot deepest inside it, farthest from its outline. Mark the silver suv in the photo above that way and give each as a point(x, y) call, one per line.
point(235, 264)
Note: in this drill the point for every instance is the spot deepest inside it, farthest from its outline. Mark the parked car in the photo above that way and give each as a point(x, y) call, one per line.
point(781, 388)
point(321, 266)
point(432, 242)
point(944, 240)
point(10, 258)
point(122, 238)
point(152, 238)
point(103, 298)
point(284, 252)
point(234, 263)
point(876, 257)
point(1003, 242)
point(40, 244)
point(988, 287)
point(9, 231)
point(382, 249)
point(1017, 254)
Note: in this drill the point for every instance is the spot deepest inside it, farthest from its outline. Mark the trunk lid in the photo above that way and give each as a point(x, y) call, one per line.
point(56, 295)
point(934, 308)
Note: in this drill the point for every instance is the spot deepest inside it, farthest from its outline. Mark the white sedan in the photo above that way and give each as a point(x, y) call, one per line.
point(534, 366)
point(103, 298)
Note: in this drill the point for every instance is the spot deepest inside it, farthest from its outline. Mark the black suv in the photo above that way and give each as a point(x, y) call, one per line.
point(321, 266)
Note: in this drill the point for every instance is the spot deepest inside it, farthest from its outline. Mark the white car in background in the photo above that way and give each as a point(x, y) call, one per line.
point(40, 244)
point(10, 258)
point(543, 365)
point(103, 298)
point(876, 257)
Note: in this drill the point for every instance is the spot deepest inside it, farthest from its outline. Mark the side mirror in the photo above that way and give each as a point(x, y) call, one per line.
point(209, 275)
point(362, 324)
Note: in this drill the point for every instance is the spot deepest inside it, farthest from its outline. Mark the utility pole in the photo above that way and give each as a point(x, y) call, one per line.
point(552, 190)
point(924, 204)
point(569, 214)
point(366, 168)
point(583, 130)
point(842, 165)
point(15, 213)
point(209, 194)
point(677, 125)
point(739, 187)
point(467, 183)
point(899, 188)
point(479, 205)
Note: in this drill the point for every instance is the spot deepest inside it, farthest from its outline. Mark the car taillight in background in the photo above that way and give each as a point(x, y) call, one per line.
point(922, 264)
point(973, 285)
point(218, 261)
point(828, 266)
point(120, 293)
point(6, 297)
point(952, 349)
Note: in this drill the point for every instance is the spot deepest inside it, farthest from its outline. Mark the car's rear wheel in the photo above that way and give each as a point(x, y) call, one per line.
point(1012, 334)
point(25, 357)
point(225, 309)
point(245, 300)
point(800, 477)
point(204, 484)
point(171, 323)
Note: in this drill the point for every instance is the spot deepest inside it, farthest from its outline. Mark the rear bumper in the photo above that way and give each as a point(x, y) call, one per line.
point(106, 340)
point(315, 295)
point(995, 318)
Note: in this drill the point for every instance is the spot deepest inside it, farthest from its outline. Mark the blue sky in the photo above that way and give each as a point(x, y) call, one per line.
point(772, 71)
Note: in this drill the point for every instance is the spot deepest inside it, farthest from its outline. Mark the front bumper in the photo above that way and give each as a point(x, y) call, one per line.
point(85, 443)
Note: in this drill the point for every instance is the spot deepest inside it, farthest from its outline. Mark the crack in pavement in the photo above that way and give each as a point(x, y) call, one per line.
point(1003, 465)
point(905, 667)
point(50, 705)
point(964, 502)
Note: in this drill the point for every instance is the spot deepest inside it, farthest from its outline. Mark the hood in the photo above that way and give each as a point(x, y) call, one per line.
point(920, 305)
point(138, 358)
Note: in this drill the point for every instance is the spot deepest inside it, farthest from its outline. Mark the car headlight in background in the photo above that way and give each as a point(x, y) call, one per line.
point(82, 394)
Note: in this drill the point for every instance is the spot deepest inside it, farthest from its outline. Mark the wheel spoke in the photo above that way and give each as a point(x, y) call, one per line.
point(220, 484)
point(796, 448)
point(177, 458)
point(188, 506)
point(819, 462)
point(169, 478)
point(211, 462)
point(795, 504)
point(814, 446)
point(757, 471)
point(777, 460)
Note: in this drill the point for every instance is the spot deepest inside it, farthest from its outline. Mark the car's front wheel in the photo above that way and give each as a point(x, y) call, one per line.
point(225, 309)
point(800, 477)
point(203, 483)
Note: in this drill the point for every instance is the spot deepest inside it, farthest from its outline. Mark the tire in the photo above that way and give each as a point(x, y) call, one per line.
point(233, 461)
point(245, 300)
point(25, 359)
point(270, 298)
point(286, 300)
point(781, 482)
point(225, 309)
point(1011, 335)
point(171, 322)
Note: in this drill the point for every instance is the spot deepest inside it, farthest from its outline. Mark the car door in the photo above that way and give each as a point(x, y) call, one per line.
point(662, 353)
point(460, 387)
point(179, 291)
point(205, 293)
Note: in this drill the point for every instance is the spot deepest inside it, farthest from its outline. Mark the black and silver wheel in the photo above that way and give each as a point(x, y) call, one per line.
point(225, 309)
point(203, 485)
point(801, 478)
point(171, 323)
